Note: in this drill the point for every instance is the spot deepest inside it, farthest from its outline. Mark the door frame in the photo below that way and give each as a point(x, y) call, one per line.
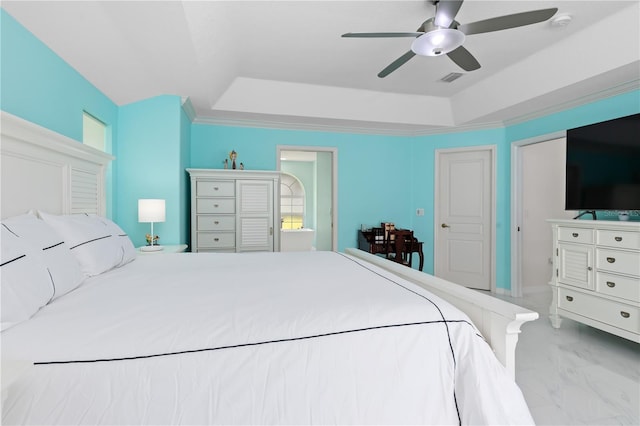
point(436, 218)
point(516, 206)
point(334, 181)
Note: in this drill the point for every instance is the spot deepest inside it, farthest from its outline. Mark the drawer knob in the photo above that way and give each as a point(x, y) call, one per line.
point(611, 284)
point(624, 314)
point(216, 239)
point(570, 298)
point(611, 259)
point(618, 239)
point(575, 235)
point(216, 205)
point(216, 222)
point(215, 188)
point(589, 268)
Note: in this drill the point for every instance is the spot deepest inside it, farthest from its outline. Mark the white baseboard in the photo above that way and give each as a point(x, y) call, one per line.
point(536, 289)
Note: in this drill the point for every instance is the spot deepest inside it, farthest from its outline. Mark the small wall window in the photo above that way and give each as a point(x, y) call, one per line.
point(291, 202)
point(94, 132)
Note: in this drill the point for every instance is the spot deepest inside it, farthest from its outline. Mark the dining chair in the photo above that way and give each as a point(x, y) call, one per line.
point(400, 246)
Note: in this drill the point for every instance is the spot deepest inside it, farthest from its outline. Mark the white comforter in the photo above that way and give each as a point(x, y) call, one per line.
point(264, 338)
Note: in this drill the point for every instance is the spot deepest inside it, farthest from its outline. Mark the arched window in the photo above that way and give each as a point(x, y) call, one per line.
point(291, 202)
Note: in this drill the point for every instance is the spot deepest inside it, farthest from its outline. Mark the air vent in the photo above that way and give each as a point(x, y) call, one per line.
point(451, 77)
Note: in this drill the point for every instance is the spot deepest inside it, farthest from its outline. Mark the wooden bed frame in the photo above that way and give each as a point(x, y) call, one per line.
point(41, 169)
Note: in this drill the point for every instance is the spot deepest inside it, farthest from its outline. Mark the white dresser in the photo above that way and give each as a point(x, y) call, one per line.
point(234, 210)
point(596, 275)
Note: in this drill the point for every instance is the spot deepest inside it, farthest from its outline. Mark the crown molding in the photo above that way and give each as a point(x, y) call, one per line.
point(578, 102)
point(282, 122)
point(188, 108)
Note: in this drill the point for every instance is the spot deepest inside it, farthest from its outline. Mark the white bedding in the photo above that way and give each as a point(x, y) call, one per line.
point(255, 338)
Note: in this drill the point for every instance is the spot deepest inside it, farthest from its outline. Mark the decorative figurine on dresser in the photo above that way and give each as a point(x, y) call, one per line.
point(596, 275)
point(234, 210)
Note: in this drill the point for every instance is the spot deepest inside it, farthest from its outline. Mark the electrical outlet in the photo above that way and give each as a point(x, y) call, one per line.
point(419, 212)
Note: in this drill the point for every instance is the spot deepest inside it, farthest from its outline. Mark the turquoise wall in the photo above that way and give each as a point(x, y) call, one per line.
point(379, 177)
point(423, 166)
point(374, 176)
point(152, 152)
point(389, 177)
point(184, 196)
point(37, 85)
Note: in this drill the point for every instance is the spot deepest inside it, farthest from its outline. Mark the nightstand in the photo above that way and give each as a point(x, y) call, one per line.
point(177, 248)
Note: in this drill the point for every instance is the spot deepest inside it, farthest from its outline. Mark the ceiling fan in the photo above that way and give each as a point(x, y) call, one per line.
point(442, 34)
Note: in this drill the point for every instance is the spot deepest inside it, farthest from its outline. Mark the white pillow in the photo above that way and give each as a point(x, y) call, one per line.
point(25, 283)
point(62, 265)
point(120, 239)
point(97, 246)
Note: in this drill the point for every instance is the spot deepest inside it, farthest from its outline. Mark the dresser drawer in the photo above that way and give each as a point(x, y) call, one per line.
point(215, 205)
point(623, 262)
point(618, 286)
point(221, 250)
point(575, 235)
point(216, 223)
point(609, 312)
point(218, 188)
point(619, 239)
point(216, 240)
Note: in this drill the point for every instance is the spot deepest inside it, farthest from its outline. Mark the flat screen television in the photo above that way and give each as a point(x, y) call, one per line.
point(603, 165)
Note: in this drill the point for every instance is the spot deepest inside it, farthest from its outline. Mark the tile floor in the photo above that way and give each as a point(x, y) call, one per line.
point(576, 375)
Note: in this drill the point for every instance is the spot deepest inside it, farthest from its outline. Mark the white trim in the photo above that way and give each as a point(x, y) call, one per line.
point(610, 92)
point(516, 206)
point(334, 181)
point(436, 219)
point(188, 108)
point(272, 121)
point(266, 121)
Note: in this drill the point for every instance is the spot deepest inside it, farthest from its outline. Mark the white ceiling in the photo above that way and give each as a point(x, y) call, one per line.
point(284, 64)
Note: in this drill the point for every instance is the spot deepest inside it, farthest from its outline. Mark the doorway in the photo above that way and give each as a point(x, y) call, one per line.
point(464, 246)
point(538, 177)
point(316, 169)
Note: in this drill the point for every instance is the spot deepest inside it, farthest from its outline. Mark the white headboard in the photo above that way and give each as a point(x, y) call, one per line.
point(41, 169)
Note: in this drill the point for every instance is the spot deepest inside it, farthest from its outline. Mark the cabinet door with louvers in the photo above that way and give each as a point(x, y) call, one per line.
point(254, 215)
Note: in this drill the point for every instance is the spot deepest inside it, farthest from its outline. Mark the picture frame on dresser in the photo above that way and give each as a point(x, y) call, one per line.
point(596, 275)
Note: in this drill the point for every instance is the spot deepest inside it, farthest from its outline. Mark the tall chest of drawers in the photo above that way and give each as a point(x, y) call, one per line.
point(596, 275)
point(234, 210)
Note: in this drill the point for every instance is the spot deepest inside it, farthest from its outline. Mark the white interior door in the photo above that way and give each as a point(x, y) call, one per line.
point(464, 234)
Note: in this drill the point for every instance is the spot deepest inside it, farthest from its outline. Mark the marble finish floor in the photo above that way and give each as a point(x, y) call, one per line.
point(576, 375)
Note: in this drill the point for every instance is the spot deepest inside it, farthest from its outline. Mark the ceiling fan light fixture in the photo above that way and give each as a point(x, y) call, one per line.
point(438, 42)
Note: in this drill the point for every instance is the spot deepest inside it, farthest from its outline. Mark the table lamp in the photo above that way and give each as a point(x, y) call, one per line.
point(150, 210)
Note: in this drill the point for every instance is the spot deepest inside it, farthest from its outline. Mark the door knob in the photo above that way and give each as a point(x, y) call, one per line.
point(444, 225)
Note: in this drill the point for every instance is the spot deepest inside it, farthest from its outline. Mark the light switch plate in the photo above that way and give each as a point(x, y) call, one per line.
point(419, 212)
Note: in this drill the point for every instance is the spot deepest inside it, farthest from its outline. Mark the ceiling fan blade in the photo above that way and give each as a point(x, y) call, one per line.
point(396, 64)
point(464, 59)
point(446, 11)
point(379, 35)
point(507, 21)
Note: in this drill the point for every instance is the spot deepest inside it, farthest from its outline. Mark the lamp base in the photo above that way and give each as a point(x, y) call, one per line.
point(151, 248)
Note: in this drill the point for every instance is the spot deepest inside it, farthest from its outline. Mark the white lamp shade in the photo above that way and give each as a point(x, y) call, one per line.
point(150, 210)
point(438, 42)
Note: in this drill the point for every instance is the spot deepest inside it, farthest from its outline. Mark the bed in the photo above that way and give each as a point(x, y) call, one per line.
point(253, 338)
